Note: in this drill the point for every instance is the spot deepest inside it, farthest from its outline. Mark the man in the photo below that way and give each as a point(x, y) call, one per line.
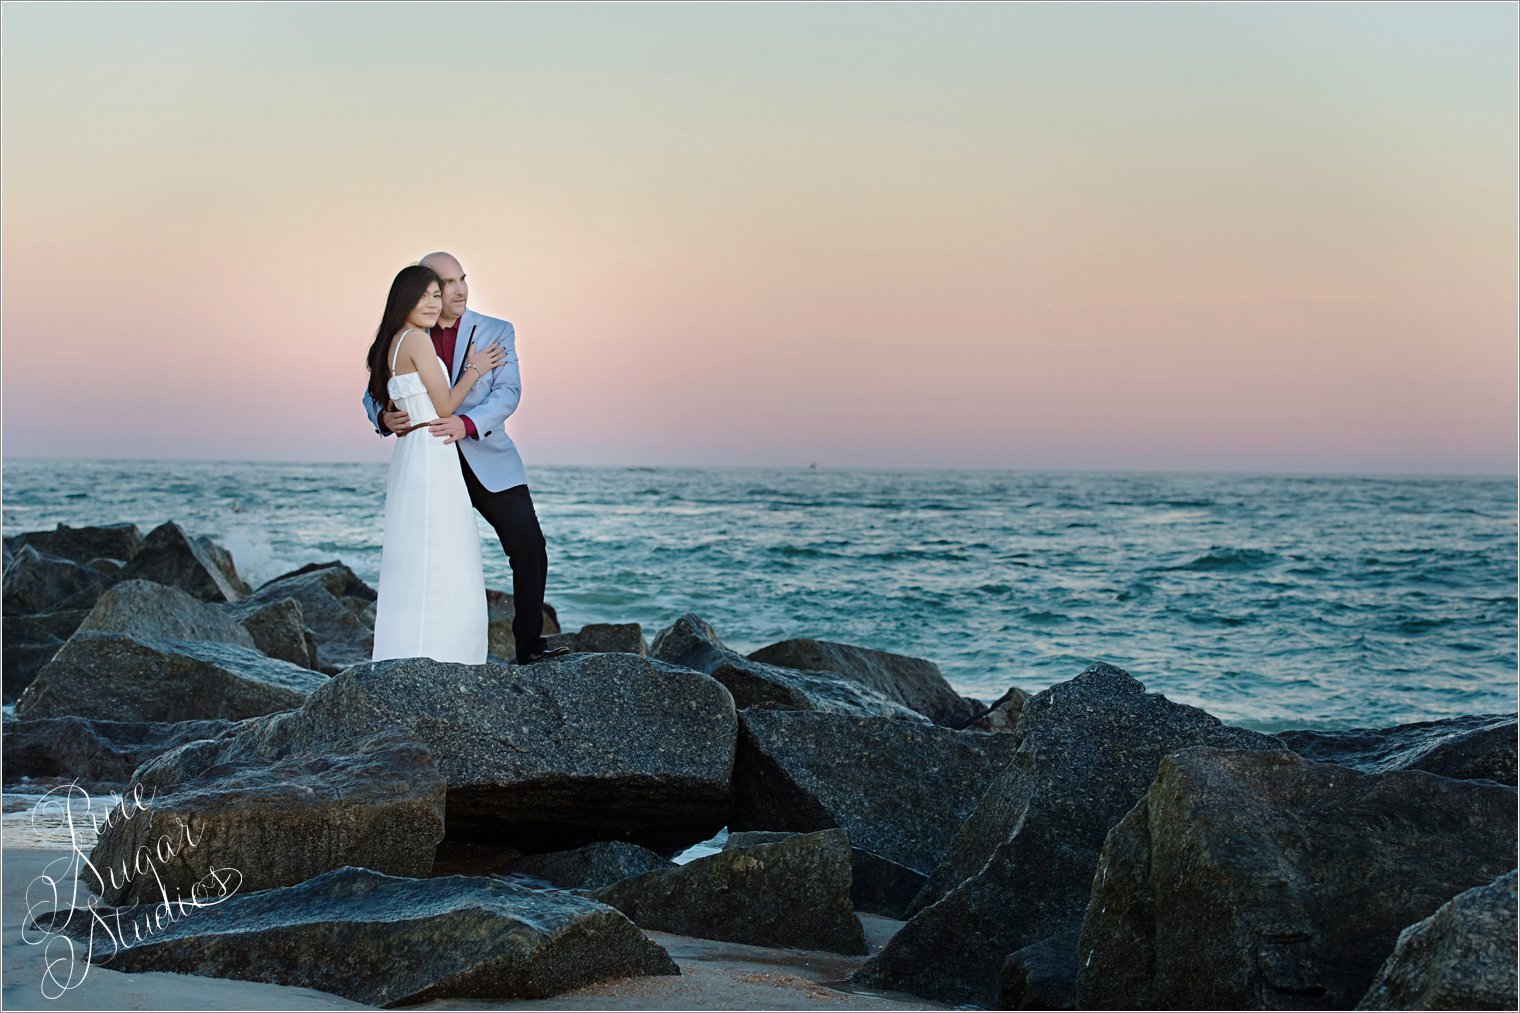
point(493, 470)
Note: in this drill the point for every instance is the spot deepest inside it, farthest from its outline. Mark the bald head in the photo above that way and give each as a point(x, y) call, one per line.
point(455, 291)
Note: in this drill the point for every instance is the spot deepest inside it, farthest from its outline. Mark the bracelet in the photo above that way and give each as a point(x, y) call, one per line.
point(471, 365)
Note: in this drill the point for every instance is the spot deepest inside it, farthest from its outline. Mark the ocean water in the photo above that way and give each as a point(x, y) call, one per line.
point(1270, 601)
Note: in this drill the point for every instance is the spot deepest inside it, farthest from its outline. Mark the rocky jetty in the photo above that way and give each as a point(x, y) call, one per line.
point(1019, 868)
point(1089, 845)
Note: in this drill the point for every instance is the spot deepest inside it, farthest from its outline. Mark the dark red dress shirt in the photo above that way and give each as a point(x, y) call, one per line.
point(444, 339)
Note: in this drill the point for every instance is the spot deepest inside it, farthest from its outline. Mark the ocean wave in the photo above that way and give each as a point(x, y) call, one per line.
point(1187, 577)
point(1229, 559)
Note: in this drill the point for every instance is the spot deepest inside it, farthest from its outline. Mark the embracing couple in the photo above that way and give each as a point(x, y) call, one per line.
point(444, 379)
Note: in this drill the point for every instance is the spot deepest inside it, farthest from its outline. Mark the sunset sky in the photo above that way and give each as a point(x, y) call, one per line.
point(1236, 237)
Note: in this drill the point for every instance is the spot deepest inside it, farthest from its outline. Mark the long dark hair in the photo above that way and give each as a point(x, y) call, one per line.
point(407, 290)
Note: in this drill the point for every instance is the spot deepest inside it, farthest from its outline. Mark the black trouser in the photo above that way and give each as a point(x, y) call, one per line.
point(511, 513)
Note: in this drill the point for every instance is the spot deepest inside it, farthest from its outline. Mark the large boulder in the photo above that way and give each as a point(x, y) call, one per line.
point(792, 893)
point(82, 545)
point(1042, 975)
point(692, 643)
point(1262, 880)
point(382, 940)
point(336, 606)
point(878, 885)
point(1471, 746)
point(224, 562)
point(900, 788)
point(278, 628)
point(1020, 868)
point(93, 750)
point(35, 583)
point(551, 755)
point(276, 815)
point(912, 682)
point(1461, 957)
point(757, 684)
point(604, 638)
point(30, 642)
point(173, 557)
point(1003, 714)
point(595, 865)
point(152, 611)
point(120, 677)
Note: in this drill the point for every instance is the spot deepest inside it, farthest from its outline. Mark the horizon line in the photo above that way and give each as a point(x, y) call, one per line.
point(815, 466)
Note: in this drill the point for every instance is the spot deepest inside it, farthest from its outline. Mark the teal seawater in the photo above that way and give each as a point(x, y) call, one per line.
point(1270, 601)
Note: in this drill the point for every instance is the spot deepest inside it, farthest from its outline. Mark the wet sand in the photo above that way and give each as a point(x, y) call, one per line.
point(714, 974)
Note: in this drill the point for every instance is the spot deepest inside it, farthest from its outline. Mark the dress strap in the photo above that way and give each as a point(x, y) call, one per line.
point(397, 350)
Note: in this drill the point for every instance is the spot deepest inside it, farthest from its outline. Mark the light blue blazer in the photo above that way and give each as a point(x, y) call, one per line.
point(493, 457)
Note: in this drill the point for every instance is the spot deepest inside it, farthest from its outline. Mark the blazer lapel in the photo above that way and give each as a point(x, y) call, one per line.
point(462, 344)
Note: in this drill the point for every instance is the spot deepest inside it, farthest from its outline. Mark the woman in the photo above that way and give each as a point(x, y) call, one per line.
point(432, 595)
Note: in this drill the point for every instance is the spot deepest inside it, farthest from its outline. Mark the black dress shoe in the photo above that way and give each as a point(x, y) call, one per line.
point(552, 652)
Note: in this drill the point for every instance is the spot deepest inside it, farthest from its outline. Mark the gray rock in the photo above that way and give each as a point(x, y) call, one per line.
point(750, 838)
point(30, 642)
point(36, 583)
point(878, 885)
point(112, 541)
point(756, 684)
point(120, 677)
point(390, 941)
point(594, 865)
point(551, 755)
point(900, 788)
point(336, 606)
point(1262, 880)
point(1472, 746)
point(93, 750)
point(1042, 975)
point(692, 643)
point(1003, 714)
point(172, 557)
point(1020, 867)
point(278, 628)
point(913, 682)
point(152, 611)
point(794, 892)
point(1461, 957)
point(224, 562)
point(276, 815)
point(605, 638)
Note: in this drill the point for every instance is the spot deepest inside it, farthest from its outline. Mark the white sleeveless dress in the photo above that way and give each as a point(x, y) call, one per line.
point(432, 594)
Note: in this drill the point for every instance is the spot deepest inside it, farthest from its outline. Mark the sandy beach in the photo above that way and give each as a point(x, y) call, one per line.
point(714, 975)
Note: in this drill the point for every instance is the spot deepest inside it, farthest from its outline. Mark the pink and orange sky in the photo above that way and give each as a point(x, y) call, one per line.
point(1236, 237)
